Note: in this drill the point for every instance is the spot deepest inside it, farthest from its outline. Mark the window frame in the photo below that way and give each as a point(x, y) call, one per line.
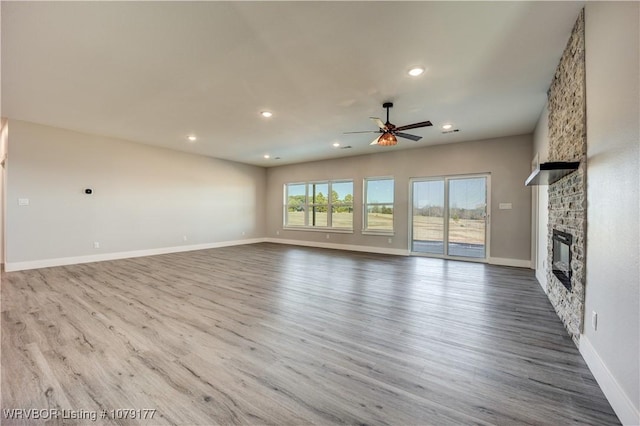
point(308, 205)
point(365, 207)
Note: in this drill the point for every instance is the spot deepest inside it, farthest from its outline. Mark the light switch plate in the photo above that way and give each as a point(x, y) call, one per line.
point(23, 201)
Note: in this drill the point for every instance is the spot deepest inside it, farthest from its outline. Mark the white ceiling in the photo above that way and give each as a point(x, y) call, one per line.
point(156, 72)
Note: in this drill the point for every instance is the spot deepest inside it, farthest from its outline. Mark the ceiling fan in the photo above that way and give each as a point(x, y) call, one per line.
point(390, 131)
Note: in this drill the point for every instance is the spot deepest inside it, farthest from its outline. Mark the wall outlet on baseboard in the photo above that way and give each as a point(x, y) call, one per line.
point(96, 245)
point(594, 320)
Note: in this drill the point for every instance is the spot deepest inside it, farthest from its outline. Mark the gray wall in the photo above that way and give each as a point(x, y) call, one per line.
point(507, 159)
point(144, 197)
point(613, 137)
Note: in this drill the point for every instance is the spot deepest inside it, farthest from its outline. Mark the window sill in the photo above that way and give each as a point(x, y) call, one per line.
point(381, 233)
point(318, 229)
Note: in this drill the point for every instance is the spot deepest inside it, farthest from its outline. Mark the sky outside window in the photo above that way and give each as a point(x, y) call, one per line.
point(380, 191)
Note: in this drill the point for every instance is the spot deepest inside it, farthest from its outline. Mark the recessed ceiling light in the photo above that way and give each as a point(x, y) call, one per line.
point(192, 138)
point(447, 126)
point(336, 144)
point(266, 114)
point(414, 72)
point(267, 156)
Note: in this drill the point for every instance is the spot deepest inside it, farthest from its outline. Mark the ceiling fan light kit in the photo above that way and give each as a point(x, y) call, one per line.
point(387, 139)
point(390, 131)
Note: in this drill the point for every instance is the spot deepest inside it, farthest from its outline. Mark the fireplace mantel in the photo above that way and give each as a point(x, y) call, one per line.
point(548, 173)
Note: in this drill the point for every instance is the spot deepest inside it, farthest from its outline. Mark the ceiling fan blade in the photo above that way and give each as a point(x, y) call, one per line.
point(414, 126)
point(364, 131)
point(408, 136)
point(375, 141)
point(379, 123)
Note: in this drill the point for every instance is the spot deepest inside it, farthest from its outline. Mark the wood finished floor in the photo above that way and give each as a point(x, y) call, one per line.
point(274, 334)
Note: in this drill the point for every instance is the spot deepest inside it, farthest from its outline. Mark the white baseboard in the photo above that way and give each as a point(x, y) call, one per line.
point(620, 402)
point(349, 247)
point(541, 277)
point(504, 261)
point(46, 263)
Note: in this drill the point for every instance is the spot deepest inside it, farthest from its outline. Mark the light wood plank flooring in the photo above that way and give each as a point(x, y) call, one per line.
point(273, 334)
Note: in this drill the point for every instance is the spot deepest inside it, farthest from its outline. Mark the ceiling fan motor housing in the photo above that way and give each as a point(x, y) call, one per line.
point(391, 131)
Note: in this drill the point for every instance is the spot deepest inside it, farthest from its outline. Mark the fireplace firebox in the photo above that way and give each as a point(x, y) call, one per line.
point(561, 266)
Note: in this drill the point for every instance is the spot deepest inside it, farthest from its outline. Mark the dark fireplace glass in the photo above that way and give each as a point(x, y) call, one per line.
point(561, 267)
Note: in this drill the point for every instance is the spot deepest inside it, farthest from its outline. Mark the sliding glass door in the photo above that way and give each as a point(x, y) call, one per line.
point(449, 216)
point(428, 217)
point(467, 216)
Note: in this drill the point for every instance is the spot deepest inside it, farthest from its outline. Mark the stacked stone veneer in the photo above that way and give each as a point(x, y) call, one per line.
point(567, 197)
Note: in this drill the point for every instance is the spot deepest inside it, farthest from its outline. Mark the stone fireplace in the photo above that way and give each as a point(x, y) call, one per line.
point(567, 197)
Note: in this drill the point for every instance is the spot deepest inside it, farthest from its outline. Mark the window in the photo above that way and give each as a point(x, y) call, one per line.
point(378, 205)
point(326, 205)
point(295, 212)
point(342, 204)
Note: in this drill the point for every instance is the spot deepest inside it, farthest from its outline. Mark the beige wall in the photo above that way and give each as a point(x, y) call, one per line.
point(507, 159)
point(613, 185)
point(144, 198)
point(541, 200)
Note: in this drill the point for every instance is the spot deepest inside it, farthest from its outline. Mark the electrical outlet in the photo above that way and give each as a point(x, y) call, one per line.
point(96, 245)
point(184, 238)
point(277, 232)
point(244, 233)
point(594, 320)
point(327, 236)
point(390, 240)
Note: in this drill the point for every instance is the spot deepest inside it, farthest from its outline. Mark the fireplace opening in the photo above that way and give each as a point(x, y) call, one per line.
point(561, 267)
